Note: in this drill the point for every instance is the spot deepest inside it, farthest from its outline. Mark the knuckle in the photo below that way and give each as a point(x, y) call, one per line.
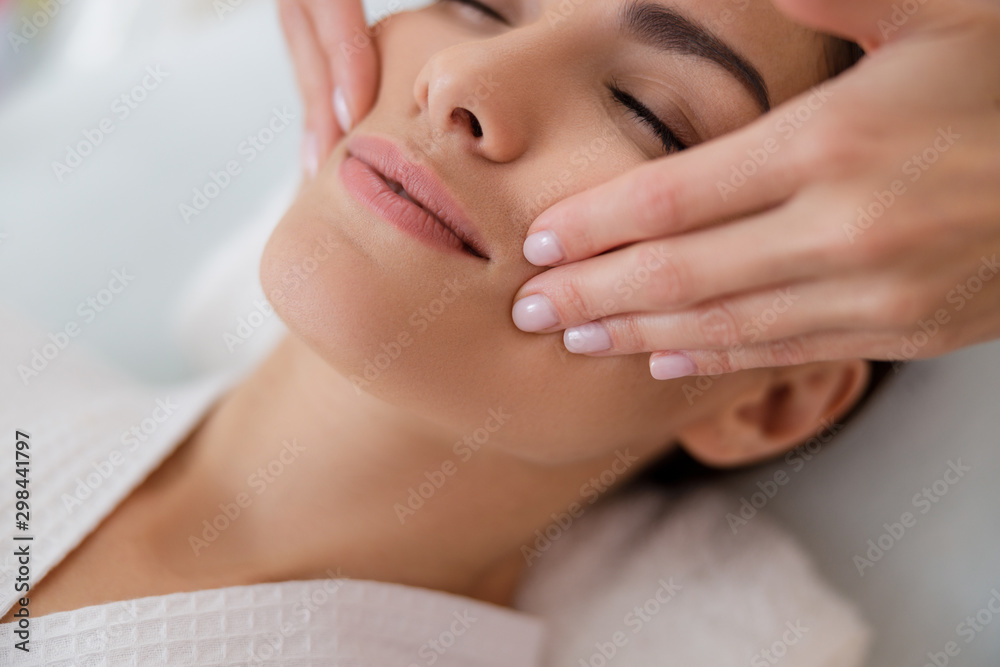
point(949, 339)
point(628, 334)
point(877, 245)
point(717, 326)
point(655, 205)
point(826, 241)
point(728, 361)
point(787, 352)
point(897, 306)
point(663, 277)
point(568, 298)
point(576, 237)
point(830, 148)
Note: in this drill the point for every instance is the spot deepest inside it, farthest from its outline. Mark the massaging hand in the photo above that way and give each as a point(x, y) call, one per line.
point(860, 220)
point(336, 66)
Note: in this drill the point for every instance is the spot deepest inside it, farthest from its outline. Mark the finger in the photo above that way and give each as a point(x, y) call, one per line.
point(349, 46)
point(744, 319)
point(868, 22)
point(825, 346)
point(671, 274)
point(313, 75)
point(742, 173)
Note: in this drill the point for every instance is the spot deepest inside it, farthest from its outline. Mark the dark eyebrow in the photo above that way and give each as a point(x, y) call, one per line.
point(668, 30)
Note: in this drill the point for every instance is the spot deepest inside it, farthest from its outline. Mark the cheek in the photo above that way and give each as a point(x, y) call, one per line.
point(440, 342)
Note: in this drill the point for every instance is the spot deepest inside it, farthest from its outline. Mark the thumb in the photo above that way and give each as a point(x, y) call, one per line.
point(353, 56)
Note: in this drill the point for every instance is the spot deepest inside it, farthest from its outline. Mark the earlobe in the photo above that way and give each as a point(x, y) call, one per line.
point(785, 409)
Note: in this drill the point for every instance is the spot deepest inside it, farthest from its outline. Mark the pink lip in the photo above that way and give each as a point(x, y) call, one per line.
point(436, 219)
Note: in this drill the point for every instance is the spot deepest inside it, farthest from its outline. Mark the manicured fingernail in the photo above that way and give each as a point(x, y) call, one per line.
point(341, 110)
point(310, 154)
point(587, 338)
point(671, 366)
point(543, 249)
point(534, 313)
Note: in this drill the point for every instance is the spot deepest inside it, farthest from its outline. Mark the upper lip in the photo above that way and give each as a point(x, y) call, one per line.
point(420, 183)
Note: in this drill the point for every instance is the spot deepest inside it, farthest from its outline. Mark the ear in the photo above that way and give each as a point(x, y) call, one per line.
point(784, 410)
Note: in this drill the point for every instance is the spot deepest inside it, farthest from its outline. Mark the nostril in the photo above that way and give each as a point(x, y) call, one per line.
point(464, 115)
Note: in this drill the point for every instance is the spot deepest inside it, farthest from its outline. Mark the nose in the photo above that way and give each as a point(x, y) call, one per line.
point(466, 92)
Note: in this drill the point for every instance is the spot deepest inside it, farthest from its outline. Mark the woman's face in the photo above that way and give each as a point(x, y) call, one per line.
point(510, 115)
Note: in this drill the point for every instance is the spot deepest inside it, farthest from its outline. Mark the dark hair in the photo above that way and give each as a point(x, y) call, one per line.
point(677, 466)
point(841, 55)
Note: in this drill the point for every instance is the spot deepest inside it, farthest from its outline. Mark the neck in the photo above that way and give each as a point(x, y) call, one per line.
point(328, 480)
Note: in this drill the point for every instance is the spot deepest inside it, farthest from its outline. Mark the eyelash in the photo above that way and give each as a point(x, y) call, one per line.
point(485, 9)
point(670, 141)
point(639, 110)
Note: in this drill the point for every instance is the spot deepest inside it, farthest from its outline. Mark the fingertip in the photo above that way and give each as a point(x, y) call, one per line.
point(356, 76)
point(361, 87)
point(543, 248)
point(310, 154)
point(670, 366)
point(342, 110)
point(534, 313)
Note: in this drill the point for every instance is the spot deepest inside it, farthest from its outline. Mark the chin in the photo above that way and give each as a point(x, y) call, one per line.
point(326, 290)
point(376, 307)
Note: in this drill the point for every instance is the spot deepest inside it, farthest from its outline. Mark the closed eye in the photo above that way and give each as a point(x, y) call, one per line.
point(482, 8)
point(666, 136)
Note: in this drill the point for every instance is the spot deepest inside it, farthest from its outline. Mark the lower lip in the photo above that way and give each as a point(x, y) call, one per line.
point(368, 187)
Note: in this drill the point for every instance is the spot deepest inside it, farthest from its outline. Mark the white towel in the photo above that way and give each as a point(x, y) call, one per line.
point(647, 579)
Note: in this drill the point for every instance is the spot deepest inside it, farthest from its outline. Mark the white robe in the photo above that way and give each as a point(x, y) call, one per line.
point(638, 580)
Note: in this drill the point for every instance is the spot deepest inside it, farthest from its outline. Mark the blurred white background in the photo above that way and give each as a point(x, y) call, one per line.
point(222, 71)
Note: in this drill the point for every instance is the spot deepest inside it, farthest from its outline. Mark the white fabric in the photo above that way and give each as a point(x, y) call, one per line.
point(705, 596)
point(328, 622)
point(669, 576)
